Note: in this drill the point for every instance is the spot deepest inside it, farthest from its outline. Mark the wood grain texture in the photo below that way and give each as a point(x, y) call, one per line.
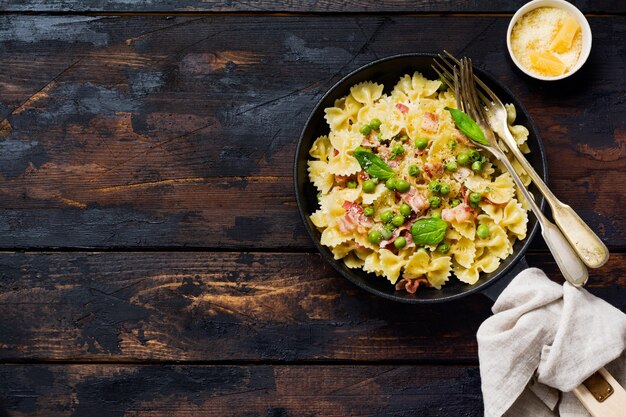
point(274, 6)
point(277, 391)
point(230, 307)
point(159, 132)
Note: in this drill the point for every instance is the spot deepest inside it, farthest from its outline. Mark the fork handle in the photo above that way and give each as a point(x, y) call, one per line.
point(585, 242)
point(569, 263)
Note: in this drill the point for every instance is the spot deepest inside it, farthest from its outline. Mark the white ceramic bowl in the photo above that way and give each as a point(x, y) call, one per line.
point(561, 4)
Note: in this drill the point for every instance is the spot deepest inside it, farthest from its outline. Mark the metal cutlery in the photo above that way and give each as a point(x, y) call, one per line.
point(586, 243)
point(570, 264)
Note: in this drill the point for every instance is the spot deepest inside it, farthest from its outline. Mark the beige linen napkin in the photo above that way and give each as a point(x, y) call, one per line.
point(544, 340)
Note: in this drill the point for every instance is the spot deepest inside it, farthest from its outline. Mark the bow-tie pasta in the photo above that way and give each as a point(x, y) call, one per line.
point(403, 194)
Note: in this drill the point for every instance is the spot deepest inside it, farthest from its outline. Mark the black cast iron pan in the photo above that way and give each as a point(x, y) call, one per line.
point(388, 71)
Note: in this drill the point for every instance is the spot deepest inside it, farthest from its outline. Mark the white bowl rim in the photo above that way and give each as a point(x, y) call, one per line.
point(584, 27)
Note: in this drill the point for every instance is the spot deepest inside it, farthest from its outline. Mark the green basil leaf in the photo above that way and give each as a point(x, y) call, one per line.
point(372, 164)
point(468, 126)
point(429, 231)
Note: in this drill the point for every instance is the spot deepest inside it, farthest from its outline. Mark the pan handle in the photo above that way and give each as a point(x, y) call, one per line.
point(494, 290)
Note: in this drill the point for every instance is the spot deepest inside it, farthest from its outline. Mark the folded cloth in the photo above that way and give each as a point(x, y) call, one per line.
point(543, 341)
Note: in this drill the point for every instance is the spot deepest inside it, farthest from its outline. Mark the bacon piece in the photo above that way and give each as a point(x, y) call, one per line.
point(430, 122)
point(342, 180)
point(335, 152)
point(433, 169)
point(412, 285)
point(353, 219)
point(364, 176)
point(416, 200)
point(402, 107)
point(461, 175)
point(461, 213)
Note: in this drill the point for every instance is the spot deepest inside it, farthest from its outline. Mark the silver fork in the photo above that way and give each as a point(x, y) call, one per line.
point(585, 242)
point(570, 264)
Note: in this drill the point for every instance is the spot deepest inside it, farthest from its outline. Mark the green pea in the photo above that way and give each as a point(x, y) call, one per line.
point(421, 143)
point(379, 136)
point(319, 196)
point(434, 186)
point(386, 233)
point(398, 220)
point(389, 227)
point(369, 186)
point(405, 210)
point(452, 166)
point(434, 201)
point(402, 186)
point(473, 205)
point(391, 184)
point(365, 130)
point(463, 158)
point(483, 231)
point(477, 166)
point(475, 197)
point(375, 124)
point(386, 216)
point(397, 149)
point(400, 242)
point(443, 247)
point(352, 184)
point(368, 211)
point(414, 170)
point(455, 202)
point(404, 138)
point(444, 189)
point(452, 144)
point(436, 214)
point(474, 155)
point(375, 236)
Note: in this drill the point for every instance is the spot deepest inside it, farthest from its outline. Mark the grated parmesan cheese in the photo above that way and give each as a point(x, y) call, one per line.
point(535, 31)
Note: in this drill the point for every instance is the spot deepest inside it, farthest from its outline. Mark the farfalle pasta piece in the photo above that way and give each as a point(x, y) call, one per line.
point(366, 92)
point(415, 87)
point(497, 244)
point(343, 114)
point(439, 270)
point(342, 160)
point(501, 190)
point(471, 275)
point(515, 219)
point(391, 264)
point(321, 148)
point(320, 175)
point(464, 251)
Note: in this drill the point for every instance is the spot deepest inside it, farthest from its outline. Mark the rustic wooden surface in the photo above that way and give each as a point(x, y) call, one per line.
point(152, 260)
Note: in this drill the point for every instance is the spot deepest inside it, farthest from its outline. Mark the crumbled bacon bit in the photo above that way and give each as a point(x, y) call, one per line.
point(364, 176)
point(335, 152)
point(460, 213)
point(416, 200)
point(412, 285)
point(353, 219)
point(430, 122)
point(434, 169)
point(402, 107)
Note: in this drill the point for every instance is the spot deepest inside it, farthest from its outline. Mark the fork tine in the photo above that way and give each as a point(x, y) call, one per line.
point(480, 83)
point(457, 91)
point(471, 91)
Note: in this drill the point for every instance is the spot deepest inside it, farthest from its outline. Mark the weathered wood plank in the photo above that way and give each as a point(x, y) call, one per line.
point(318, 6)
point(185, 391)
point(227, 307)
point(156, 132)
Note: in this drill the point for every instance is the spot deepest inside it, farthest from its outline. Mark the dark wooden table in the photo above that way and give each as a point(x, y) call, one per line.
point(153, 262)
